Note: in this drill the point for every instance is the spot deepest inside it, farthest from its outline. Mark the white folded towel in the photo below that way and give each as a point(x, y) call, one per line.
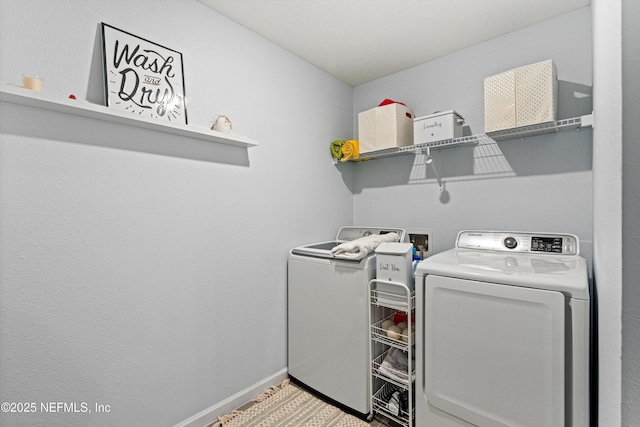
point(360, 248)
point(396, 365)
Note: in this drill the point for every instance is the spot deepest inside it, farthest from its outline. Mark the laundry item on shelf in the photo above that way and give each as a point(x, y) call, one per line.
point(350, 150)
point(336, 148)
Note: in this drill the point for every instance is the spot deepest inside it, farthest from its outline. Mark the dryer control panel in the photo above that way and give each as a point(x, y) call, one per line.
point(539, 243)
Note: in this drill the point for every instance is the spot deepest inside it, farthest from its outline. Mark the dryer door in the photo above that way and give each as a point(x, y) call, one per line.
point(494, 354)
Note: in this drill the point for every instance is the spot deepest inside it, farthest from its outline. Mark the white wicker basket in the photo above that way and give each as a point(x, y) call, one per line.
point(521, 97)
point(500, 102)
point(536, 94)
point(384, 127)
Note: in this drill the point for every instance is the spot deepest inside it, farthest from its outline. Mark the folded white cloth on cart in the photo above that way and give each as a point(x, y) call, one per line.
point(360, 248)
point(396, 366)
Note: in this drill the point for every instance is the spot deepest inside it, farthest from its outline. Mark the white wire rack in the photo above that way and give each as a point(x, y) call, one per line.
point(387, 301)
point(537, 130)
point(559, 126)
point(380, 404)
point(396, 377)
point(379, 334)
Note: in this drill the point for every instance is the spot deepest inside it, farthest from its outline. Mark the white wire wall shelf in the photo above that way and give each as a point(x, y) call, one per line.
point(564, 125)
point(559, 126)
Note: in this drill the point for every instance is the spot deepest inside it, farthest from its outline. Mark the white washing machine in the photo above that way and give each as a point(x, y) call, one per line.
point(502, 325)
point(328, 314)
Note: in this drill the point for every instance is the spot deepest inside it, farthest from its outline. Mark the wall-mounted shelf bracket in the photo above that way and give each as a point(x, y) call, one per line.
point(429, 160)
point(588, 120)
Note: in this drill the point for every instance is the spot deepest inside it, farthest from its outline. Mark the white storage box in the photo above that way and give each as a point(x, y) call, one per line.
point(437, 127)
point(384, 127)
point(521, 97)
point(500, 101)
point(393, 262)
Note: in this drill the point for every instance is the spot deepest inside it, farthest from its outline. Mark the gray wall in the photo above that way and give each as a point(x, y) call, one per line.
point(537, 184)
point(145, 271)
point(630, 214)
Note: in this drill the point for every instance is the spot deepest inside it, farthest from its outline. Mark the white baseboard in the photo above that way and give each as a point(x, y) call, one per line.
point(212, 413)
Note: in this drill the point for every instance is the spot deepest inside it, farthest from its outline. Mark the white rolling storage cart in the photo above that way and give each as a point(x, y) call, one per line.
point(392, 350)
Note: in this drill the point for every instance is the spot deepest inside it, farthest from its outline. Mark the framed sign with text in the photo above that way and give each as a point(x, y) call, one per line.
point(141, 77)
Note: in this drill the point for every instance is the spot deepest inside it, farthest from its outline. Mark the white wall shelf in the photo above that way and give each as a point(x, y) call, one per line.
point(18, 95)
point(564, 125)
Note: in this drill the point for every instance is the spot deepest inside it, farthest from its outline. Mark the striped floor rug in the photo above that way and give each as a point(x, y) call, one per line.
point(288, 405)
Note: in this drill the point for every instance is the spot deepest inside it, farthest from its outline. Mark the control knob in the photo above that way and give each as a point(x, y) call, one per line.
point(510, 243)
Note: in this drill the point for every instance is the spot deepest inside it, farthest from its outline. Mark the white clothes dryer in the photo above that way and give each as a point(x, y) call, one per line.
point(502, 332)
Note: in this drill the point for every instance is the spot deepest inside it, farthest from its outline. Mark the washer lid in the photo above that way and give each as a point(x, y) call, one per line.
point(566, 274)
point(345, 234)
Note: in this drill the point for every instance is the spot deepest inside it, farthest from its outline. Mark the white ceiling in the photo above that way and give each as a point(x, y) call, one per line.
point(361, 40)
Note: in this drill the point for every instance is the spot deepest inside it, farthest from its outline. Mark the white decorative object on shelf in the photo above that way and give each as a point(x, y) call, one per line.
point(21, 96)
point(32, 82)
point(141, 77)
point(222, 124)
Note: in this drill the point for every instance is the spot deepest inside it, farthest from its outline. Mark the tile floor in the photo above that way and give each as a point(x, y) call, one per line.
point(380, 421)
